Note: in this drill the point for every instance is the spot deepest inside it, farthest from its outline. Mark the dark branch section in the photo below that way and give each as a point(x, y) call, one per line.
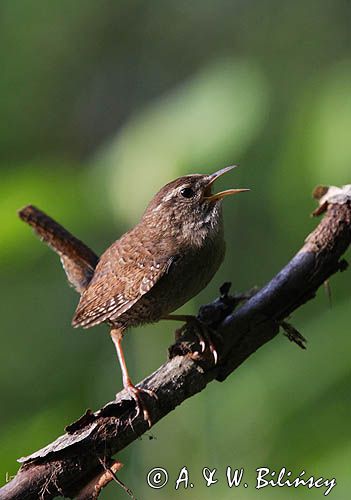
point(72, 464)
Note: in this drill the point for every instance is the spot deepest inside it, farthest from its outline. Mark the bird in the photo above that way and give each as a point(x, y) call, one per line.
point(151, 270)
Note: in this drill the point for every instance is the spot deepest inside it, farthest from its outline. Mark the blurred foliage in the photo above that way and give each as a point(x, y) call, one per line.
point(199, 123)
point(101, 104)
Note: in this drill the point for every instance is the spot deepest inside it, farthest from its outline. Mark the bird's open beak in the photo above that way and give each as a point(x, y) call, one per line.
point(218, 196)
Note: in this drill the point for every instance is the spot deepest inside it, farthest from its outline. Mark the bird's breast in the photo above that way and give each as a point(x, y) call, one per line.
point(190, 272)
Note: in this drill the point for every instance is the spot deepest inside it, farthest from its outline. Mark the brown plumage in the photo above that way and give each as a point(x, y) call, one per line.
point(77, 259)
point(153, 269)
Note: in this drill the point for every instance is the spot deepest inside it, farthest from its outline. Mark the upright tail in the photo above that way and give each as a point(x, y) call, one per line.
point(78, 260)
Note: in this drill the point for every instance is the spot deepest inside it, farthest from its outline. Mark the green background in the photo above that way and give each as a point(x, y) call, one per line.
point(101, 103)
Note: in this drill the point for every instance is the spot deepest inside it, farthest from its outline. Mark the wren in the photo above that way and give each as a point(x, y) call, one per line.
point(153, 269)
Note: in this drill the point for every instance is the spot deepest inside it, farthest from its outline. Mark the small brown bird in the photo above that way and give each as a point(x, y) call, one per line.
point(153, 269)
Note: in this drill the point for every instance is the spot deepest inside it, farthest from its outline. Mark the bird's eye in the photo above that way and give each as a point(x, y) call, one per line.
point(187, 192)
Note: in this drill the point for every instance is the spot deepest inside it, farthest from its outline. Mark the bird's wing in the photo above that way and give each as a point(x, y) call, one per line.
point(122, 276)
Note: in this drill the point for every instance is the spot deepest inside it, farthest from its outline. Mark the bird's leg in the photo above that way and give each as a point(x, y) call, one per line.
point(187, 318)
point(202, 331)
point(134, 392)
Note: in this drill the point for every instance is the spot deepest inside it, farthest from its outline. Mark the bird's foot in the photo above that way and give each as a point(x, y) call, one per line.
point(135, 393)
point(203, 333)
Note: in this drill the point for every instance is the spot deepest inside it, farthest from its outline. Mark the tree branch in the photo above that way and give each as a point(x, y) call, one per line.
point(75, 464)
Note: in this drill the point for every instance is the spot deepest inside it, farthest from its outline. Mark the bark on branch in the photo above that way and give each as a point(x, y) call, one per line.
point(79, 463)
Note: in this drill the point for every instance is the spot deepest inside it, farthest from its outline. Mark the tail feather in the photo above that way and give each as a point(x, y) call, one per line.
point(78, 260)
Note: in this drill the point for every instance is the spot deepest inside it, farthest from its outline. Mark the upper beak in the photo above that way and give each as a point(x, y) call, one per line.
point(218, 196)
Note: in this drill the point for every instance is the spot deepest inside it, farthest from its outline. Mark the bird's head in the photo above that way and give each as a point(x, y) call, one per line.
point(188, 204)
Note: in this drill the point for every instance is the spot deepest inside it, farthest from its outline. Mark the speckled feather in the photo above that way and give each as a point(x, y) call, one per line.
point(125, 272)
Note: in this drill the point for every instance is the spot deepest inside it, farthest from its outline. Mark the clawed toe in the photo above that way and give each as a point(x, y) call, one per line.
point(203, 333)
point(150, 392)
point(205, 338)
point(135, 393)
point(201, 341)
point(214, 353)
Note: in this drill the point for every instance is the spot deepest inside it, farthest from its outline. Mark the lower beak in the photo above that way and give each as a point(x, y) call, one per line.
point(222, 194)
